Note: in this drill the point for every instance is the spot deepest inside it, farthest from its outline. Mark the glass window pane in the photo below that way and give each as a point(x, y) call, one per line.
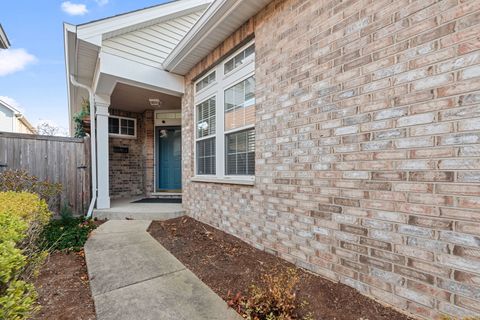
point(206, 156)
point(113, 125)
point(207, 80)
point(240, 153)
point(250, 50)
point(206, 121)
point(239, 59)
point(240, 104)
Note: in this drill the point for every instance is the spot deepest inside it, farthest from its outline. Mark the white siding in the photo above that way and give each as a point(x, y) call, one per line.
point(6, 119)
point(151, 45)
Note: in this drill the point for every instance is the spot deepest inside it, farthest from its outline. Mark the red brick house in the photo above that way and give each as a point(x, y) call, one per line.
point(343, 136)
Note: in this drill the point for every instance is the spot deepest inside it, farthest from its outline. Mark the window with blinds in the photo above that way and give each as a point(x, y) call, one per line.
point(206, 156)
point(240, 104)
point(240, 153)
point(225, 119)
point(239, 59)
point(205, 82)
point(206, 118)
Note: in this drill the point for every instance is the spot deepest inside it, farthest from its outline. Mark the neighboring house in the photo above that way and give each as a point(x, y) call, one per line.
point(343, 136)
point(12, 120)
point(4, 43)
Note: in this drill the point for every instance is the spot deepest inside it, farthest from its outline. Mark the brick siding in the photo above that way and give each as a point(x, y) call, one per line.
point(367, 148)
point(131, 174)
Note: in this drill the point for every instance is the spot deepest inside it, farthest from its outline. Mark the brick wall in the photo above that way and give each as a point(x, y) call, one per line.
point(367, 150)
point(131, 174)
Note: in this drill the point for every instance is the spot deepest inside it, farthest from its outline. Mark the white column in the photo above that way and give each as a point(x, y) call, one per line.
point(103, 193)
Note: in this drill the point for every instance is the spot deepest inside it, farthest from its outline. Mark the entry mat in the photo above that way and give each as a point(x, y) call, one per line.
point(159, 200)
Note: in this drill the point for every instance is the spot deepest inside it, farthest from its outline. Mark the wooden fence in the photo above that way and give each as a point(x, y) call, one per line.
point(55, 159)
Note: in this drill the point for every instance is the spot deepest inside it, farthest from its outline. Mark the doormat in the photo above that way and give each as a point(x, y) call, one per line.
point(159, 200)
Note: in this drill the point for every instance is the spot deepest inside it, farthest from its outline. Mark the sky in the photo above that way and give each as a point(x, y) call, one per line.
point(32, 71)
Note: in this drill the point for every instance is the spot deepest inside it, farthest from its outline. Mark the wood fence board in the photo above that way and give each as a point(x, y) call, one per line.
point(56, 159)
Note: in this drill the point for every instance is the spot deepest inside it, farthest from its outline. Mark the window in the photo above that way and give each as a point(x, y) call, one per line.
point(206, 157)
point(225, 120)
point(205, 82)
point(240, 153)
point(206, 118)
point(240, 104)
point(239, 59)
point(120, 126)
point(206, 128)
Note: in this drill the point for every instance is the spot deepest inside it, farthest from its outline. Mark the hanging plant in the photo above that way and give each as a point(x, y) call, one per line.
point(81, 119)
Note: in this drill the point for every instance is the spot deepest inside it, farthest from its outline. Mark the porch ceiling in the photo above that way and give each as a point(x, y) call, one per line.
point(135, 99)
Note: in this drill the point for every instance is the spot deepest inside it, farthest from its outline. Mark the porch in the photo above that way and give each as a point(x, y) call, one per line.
point(130, 208)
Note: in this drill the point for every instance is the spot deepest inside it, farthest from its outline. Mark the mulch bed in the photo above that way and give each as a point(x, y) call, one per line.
point(63, 288)
point(227, 264)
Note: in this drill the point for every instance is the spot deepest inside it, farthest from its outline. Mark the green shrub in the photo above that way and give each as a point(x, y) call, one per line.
point(67, 233)
point(22, 218)
point(21, 180)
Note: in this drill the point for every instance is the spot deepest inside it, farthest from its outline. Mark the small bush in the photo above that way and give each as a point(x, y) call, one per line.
point(275, 300)
point(67, 233)
point(22, 181)
point(22, 218)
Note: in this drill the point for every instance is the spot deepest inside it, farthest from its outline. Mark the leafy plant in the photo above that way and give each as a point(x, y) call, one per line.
point(275, 300)
point(67, 233)
point(22, 218)
point(79, 117)
point(22, 181)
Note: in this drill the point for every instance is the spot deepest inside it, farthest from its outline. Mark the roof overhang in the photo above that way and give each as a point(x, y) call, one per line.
point(15, 111)
point(85, 61)
point(218, 22)
point(4, 43)
point(103, 29)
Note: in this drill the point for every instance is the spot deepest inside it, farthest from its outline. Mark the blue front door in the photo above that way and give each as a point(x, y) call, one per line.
point(169, 146)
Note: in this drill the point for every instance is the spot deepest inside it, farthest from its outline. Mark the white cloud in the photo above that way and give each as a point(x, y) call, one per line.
point(101, 2)
point(74, 9)
point(14, 103)
point(13, 60)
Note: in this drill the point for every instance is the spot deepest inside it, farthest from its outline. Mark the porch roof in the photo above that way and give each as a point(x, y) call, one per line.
point(150, 48)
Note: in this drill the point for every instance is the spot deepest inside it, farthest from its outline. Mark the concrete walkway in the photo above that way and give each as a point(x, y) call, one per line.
point(133, 277)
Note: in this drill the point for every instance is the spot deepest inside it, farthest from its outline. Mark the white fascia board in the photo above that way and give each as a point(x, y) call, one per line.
point(211, 17)
point(215, 22)
point(117, 69)
point(69, 31)
point(15, 111)
point(92, 30)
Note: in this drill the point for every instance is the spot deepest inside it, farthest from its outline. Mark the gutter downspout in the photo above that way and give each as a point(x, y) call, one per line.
point(93, 137)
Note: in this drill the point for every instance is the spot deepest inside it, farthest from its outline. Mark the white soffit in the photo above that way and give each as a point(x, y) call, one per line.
point(218, 22)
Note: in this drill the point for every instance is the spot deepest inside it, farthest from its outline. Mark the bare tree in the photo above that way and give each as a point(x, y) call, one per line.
point(46, 128)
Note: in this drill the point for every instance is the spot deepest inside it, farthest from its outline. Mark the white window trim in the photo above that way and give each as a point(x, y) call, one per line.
point(217, 89)
point(124, 136)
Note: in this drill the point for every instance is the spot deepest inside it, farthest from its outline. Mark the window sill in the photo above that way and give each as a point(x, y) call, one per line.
point(120, 136)
point(224, 181)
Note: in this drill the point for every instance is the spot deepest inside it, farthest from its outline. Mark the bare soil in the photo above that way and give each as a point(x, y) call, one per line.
point(63, 288)
point(227, 264)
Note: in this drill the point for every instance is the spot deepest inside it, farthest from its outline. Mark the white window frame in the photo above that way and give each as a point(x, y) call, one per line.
point(217, 89)
point(120, 135)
